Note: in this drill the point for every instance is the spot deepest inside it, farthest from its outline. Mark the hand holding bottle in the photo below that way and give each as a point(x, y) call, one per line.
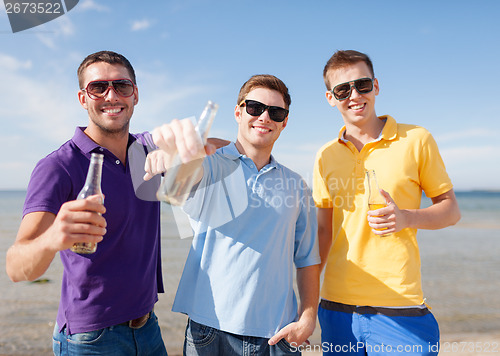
point(386, 218)
point(92, 187)
point(376, 202)
point(78, 221)
point(182, 149)
point(175, 138)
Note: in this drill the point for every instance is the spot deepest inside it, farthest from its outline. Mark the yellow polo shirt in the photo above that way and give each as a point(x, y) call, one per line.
point(363, 268)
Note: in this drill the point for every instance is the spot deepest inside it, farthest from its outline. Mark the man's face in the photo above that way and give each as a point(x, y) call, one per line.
point(357, 109)
point(111, 114)
point(260, 131)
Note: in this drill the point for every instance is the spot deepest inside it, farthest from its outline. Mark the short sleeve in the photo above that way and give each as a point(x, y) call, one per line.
point(321, 195)
point(50, 186)
point(434, 179)
point(306, 251)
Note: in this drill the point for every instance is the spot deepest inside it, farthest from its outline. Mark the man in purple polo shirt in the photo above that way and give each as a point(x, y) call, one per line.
point(107, 297)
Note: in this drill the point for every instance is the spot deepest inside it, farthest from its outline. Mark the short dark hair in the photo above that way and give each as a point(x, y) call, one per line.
point(264, 81)
point(342, 59)
point(107, 57)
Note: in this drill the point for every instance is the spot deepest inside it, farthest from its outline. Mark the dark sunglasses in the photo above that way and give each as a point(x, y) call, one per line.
point(99, 88)
point(256, 108)
point(343, 91)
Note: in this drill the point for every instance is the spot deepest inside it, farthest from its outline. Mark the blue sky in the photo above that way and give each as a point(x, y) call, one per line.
point(437, 63)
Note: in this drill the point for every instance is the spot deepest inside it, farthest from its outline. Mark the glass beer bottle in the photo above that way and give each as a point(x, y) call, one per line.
point(375, 199)
point(92, 187)
point(179, 179)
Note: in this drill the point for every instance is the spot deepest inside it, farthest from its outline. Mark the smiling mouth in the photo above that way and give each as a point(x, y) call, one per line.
point(112, 110)
point(261, 129)
point(357, 107)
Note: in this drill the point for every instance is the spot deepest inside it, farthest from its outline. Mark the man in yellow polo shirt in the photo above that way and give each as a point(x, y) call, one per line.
point(372, 300)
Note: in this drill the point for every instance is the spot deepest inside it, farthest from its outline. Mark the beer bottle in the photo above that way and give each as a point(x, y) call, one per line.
point(92, 187)
point(180, 178)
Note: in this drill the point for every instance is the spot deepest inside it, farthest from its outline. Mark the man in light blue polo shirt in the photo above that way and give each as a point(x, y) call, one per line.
point(253, 220)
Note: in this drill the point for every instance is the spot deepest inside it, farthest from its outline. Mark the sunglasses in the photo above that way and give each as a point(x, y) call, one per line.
point(256, 108)
point(343, 90)
point(99, 88)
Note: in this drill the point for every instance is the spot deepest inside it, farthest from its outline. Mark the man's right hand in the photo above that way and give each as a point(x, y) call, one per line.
point(177, 137)
point(78, 221)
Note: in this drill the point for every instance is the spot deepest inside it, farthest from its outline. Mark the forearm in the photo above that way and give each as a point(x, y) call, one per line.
point(27, 261)
point(34, 250)
point(308, 285)
point(308, 288)
point(324, 234)
point(442, 213)
point(325, 243)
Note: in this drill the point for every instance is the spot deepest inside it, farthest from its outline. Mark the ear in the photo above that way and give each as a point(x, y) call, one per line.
point(330, 98)
point(376, 87)
point(136, 95)
point(284, 123)
point(237, 113)
point(82, 98)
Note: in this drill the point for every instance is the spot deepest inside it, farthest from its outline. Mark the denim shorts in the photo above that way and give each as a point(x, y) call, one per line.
point(352, 333)
point(202, 340)
point(119, 340)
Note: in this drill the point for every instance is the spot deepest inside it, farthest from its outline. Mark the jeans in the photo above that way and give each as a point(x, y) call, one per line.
point(119, 340)
point(202, 340)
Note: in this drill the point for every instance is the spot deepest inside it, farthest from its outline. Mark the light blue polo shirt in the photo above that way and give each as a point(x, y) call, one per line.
point(250, 228)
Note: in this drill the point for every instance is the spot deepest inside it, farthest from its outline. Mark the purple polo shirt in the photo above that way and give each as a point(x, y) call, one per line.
point(121, 280)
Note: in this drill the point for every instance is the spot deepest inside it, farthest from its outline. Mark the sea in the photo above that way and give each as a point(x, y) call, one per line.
point(460, 271)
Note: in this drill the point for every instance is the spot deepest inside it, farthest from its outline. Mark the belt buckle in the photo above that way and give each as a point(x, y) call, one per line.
point(139, 322)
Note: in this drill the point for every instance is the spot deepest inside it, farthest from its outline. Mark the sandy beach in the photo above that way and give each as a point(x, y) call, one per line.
point(27, 312)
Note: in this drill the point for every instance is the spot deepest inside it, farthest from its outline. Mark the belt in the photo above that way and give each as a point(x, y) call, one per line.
point(346, 308)
point(139, 322)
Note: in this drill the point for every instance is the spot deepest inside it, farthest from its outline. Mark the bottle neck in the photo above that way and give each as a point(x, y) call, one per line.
point(375, 197)
point(93, 180)
point(94, 174)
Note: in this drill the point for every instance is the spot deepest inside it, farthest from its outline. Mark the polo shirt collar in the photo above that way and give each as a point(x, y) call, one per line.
point(87, 145)
point(389, 132)
point(230, 151)
point(83, 142)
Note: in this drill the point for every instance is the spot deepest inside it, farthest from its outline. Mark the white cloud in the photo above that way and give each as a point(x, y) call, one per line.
point(469, 134)
point(36, 105)
point(140, 25)
point(66, 27)
point(9, 63)
point(39, 113)
point(60, 27)
point(160, 100)
point(48, 41)
point(88, 5)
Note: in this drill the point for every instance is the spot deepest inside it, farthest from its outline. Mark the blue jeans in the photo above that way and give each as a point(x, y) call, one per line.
point(202, 340)
point(118, 340)
point(376, 334)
